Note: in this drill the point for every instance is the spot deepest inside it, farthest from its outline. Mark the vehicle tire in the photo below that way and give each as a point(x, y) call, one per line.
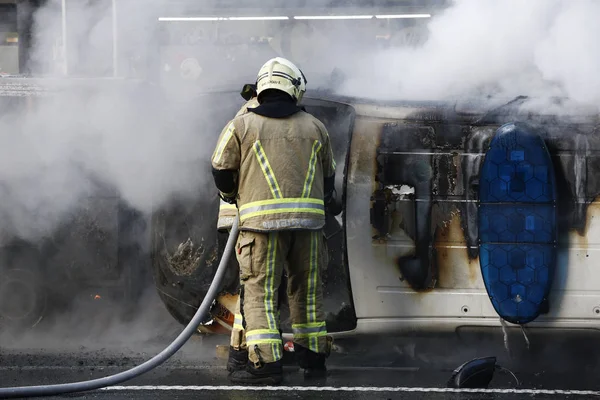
point(188, 233)
point(23, 295)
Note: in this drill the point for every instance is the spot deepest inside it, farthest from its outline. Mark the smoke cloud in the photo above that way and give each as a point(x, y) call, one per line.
point(94, 132)
point(541, 48)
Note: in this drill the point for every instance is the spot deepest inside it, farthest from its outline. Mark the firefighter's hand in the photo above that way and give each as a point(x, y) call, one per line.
point(248, 91)
point(227, 199)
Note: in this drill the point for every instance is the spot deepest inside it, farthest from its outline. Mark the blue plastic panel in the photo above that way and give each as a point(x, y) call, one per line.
point(523, 223)
point(517, 223)
point(524, 174)
point(517, 278)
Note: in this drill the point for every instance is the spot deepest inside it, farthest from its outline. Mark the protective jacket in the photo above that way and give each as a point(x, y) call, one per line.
point(283, 164)
point(253, 102)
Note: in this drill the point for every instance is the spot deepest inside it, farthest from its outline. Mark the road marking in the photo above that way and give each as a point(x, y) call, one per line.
point(101, 367)
point(187, 367)
point(353, 389)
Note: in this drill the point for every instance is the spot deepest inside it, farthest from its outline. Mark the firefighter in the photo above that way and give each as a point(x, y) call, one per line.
point(276, 164)
point(227, 213)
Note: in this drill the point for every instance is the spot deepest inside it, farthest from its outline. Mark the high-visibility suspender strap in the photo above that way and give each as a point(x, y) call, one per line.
point(266, 169)
point(310, 173)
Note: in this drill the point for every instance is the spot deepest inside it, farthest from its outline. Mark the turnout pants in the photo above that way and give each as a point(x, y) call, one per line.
point(262, 257)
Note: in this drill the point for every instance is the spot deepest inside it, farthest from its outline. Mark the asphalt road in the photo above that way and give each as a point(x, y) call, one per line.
point(178, 380)
point(82, 346)
point(196, 373)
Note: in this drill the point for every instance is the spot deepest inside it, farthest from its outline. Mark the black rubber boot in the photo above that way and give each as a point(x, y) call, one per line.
point(312, 363)
point(237, 360)
point(267, 374)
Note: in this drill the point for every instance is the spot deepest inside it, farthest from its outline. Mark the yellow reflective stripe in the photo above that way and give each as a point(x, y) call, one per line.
point(311, 303)
point(263, 336)
point(300, 204)
point(263, 341)
point(311, 293)
point(333, 164)
point(238, 322)
point(252, 340)
point(282, 210)
point(262, 332)
point(313, 337)
point(276, 349)
point(280, 201)
point(269, 300)
point(276, 206)
point(266, 337)
point(317, 329)
point(267, 170)
point(310, 173)
point(227, 206)
point(311, 326)
point(223, 143)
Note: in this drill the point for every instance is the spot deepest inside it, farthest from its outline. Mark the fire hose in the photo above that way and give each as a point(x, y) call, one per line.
point(188, 331)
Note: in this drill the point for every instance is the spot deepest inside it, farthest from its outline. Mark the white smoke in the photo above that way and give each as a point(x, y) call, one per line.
point(505, 48)
point(94, 130)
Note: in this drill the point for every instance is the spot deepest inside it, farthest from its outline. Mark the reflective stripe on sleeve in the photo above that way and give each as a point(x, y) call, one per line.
point(223, 143)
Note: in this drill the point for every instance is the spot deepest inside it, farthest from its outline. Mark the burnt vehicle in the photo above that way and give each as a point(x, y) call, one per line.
point(406, 253)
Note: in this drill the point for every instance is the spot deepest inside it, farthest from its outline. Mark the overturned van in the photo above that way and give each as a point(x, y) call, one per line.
point(455, 214)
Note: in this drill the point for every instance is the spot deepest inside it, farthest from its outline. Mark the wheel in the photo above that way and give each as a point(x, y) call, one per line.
point(186, 251)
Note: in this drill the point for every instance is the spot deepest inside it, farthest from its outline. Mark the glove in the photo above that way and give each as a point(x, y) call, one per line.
point(248, 91)
point(227, 199)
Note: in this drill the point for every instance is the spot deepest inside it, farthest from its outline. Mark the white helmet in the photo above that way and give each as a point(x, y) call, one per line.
point(281, 74)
